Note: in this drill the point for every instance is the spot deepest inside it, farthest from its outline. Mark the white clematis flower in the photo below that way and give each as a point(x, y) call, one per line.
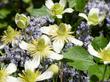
point(40, 48)
point(103, 54)
point(94, 17)
point(32, 75)
point(60, 34)
point(6, 72)
point(57, 9)
point(10, 35)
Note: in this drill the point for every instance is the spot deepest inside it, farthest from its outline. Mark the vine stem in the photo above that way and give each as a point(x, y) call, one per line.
point(104, 73)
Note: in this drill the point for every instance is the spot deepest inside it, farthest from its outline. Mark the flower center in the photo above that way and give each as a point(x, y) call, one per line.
point(29, 76)
point(62, 32)
point(39, 47)
point(3, 75)
point(105, 55)
point(57, 9)
point(9, 35)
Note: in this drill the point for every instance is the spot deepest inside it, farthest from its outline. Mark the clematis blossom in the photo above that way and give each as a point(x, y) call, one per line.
point(60, 35)
point(5, 73)
point(103, 54)
point(41, 48)
point(94, 17)
point(57, 9)
point(30, 74)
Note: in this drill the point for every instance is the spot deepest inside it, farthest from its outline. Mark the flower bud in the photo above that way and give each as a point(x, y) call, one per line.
point(21, 20)
point(54, 68)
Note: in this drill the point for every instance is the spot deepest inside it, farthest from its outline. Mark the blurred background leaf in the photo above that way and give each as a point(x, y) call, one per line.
point(38, 12)
point(4, 13)
point(79, 5)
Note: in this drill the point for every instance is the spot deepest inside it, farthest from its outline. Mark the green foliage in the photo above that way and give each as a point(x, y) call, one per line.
point(27, 1)
point(82, 60)
point(78, 4)
point(99, 42)
point(2, 25)
point(38, 12)
point(98, 71)
point(4, 13)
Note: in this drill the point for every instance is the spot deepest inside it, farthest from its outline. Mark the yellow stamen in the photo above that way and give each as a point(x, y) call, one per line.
point(3, 75)
point(62, 33)
point(9, 35)
point(29, 76)
point(39, 47)
point(57, 9)
point(105, 55)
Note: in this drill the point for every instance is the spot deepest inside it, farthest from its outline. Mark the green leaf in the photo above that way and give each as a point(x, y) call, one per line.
point(98, 71)
point(78, 4)
point(27, 1)
point(95, 70)
point(80, 57)
point(4, 13)
point(3, 25)
point(71, 3)
point(99, 42)
point(38, 12)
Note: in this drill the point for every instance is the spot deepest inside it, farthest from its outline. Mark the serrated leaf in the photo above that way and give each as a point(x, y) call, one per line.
point(99, 42)
point(38, 12)
point(80, 57)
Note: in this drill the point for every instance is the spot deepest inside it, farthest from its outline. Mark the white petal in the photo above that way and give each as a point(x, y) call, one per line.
point(11, 68)
point(46, 38)
point(75, 41)
point(32, 64)
point(49, 4)
point(108, 46)
point(93, 11)
point(68, 10)
point(106, 62)
point(45, 30)
point(14, 42)
point(11, 79)
point(55, 56)
point(46, 75)
point(23, 45)
point(2, 46)
point(62, 2)
point(68, 27)
point(59, 16)
point(83, 15)
point(92, 51)
point(49, 30)
point(58, 45)
point(101, 18)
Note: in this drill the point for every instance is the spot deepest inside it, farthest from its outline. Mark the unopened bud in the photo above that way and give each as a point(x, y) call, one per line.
point(54, 68)
point(21, 20)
